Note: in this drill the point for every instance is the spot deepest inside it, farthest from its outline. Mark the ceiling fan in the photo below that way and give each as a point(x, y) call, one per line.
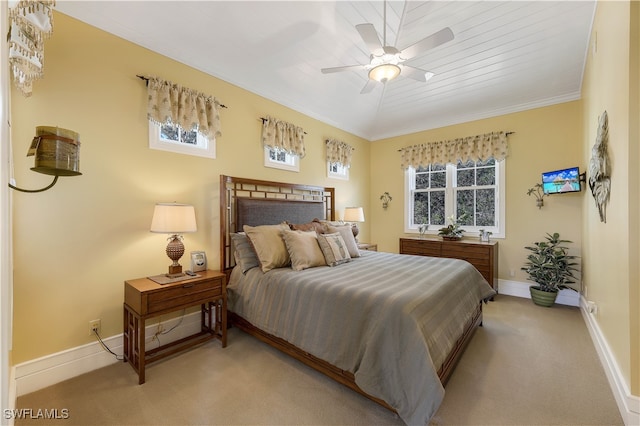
point(387, 62)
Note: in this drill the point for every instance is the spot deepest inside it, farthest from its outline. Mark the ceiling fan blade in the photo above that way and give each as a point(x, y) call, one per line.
point(368, 87)
point(434, 40)
point(370, 38)
point(416, 73)
point(340, 69)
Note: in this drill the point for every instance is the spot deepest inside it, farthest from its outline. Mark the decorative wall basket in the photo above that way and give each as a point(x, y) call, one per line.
point(56, 150)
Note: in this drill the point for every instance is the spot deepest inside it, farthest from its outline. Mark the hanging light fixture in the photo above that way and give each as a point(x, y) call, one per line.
point(384, 72)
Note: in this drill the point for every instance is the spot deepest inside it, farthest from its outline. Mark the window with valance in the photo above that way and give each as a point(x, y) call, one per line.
point(470, 148)
point(339, 155)
point(170, 103)
point(460, 179)
point(282, 136)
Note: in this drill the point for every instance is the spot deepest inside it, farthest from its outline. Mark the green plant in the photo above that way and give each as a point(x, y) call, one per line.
point(453, 229)
point(550, 265)
point(538, 192)
point(385, 198)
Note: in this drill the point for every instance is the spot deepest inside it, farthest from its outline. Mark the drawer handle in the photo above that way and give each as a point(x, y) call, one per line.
point(187, 286)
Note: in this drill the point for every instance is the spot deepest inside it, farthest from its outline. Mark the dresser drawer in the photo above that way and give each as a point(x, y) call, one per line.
point(477, 256)
point(183, 295)
point(420, 247)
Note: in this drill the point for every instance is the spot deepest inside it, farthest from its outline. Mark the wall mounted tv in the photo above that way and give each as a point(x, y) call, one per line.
point(561, 181)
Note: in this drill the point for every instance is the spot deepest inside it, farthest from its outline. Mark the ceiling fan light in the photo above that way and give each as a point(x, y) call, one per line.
point(384, 72)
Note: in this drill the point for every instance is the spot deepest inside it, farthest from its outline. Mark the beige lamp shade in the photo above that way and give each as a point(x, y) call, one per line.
point(353, 214)
point(173, 218)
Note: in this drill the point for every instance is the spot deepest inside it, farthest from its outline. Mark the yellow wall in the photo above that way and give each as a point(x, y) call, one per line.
point(611, 248)
point(76, 243)
point(545, 139)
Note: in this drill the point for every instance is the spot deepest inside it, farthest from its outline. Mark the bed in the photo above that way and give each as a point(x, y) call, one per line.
point(388, 326)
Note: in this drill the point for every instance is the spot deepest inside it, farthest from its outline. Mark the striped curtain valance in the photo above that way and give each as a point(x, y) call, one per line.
point(170, 103)
point(283, 136)
point(339, 152)
point(471, 148)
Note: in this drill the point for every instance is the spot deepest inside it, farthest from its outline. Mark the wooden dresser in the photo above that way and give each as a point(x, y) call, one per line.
point(484, 256)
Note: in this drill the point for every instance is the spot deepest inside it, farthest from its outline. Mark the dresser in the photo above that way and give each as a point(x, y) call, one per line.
point(484, 256)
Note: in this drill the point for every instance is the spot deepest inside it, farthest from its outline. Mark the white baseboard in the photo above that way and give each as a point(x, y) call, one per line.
point(521, 289)
point(39, 373)
point(629, 405)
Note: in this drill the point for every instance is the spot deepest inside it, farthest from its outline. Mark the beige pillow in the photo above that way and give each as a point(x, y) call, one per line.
point(349, 239)
point(303, 249)
point(269, 246)
point(334, 249)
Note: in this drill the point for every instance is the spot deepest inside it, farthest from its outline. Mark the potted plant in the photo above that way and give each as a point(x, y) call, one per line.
point(453, 231)
point(551, 267)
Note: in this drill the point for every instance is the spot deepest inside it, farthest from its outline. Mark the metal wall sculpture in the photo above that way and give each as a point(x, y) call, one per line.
point(600, 168)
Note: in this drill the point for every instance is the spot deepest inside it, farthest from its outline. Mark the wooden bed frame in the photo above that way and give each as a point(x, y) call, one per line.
point(233, 189)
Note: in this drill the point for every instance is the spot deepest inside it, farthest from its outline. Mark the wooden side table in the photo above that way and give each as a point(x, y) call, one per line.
point(145, 299)
point(367, 246)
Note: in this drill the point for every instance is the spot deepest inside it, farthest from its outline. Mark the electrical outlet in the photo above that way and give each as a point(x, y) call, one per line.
point(94, 326)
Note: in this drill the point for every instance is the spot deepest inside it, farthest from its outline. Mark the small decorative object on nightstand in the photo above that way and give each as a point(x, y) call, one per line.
point(368, 246)
point(174, 219)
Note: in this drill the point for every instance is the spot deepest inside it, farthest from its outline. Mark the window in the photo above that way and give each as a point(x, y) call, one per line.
point(337, 171)
point(167, 137)
point(473, 189)
point(281, 159)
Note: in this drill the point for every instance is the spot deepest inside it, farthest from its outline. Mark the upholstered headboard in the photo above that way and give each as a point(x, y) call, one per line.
point(257, 202)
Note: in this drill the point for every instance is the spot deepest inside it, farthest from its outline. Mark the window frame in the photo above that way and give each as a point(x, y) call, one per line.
point(292, 164)
point(497, 231)
point(341, 173)
point(157, 142)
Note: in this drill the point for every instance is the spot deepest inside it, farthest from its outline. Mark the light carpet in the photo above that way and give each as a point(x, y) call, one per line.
point(527, 365)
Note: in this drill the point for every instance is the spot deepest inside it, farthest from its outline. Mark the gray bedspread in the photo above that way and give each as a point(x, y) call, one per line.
point(390, 319)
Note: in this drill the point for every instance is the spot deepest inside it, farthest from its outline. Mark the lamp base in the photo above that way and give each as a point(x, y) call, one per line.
point(175, 250)
point(175, 271)
point(355, 230)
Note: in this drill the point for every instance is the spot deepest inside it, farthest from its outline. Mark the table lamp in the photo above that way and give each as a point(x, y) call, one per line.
point(354, 214)
point(174, 219)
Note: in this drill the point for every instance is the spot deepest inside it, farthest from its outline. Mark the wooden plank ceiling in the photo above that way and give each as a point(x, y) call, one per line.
point(506, 56)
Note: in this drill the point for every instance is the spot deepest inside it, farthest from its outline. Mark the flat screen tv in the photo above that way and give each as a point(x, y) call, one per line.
point(561, 181)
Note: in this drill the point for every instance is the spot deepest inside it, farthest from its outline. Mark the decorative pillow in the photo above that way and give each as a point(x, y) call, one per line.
point(269, 246)
point(314, 225)
point(243, 252)
point(303, 249)
point(334, 249)
point(349, 239)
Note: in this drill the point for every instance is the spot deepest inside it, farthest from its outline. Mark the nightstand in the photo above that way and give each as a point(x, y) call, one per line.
point(368, 246)
point(145, 299)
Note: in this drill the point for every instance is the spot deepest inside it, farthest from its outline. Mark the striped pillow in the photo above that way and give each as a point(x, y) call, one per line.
point(243, 252)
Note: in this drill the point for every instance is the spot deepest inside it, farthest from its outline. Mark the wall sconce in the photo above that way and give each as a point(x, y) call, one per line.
point(538, 192)
point(174, 219)
point(385, 200)
point(354, 214)
point(57, 153)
